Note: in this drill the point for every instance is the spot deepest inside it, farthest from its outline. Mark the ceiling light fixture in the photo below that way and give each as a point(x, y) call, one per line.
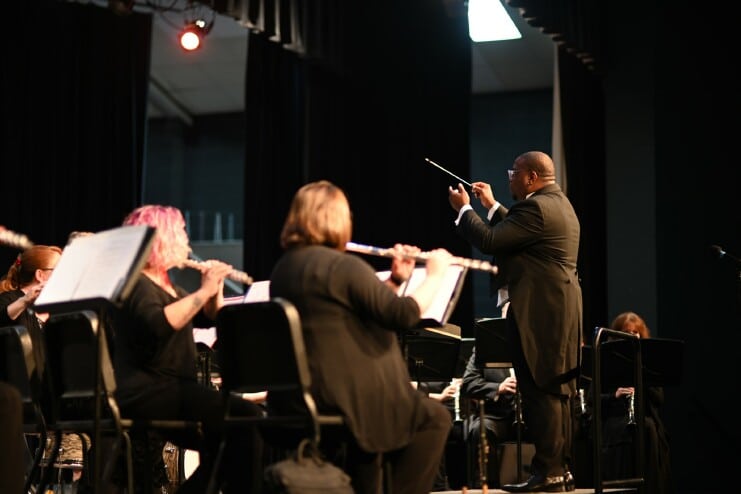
point(198, 22)
point(488, 20)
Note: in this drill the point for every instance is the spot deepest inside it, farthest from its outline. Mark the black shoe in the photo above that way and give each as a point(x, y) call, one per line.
point(569, 484)
point(538, 483)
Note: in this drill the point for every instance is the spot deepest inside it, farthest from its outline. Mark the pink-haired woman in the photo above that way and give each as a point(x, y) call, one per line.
point(156, 358)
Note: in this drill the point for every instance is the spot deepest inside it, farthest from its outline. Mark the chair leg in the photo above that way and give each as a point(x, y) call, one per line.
point(34, 471)
point(213, 487)
point(128, 456)
point(49, 470)
point(387, 476)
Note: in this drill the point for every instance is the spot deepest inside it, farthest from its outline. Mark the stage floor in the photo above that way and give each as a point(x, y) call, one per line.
point(611, 490)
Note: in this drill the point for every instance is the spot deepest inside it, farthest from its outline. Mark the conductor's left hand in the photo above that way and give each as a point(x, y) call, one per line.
point(458, 197)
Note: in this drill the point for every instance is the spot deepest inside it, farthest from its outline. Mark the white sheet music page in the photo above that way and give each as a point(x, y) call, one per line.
point(259, 291)
point(439, 307)
point(96, 266)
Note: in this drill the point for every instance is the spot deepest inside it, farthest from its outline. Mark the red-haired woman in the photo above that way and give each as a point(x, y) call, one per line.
point(618, 417)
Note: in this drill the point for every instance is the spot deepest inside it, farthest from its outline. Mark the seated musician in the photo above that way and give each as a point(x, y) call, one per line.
point(618, 425)
point(351, 322)
point(496, 387)
point(155, 358)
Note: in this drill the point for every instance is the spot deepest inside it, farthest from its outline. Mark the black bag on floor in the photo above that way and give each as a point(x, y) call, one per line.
point(306, 473)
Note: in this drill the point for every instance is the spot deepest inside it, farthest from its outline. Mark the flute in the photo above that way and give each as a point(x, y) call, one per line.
point(14, 239)
point(235, 275)
point(477, 264)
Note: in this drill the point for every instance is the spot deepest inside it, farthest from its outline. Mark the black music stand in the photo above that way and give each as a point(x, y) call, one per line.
point(626, 360)
point(464, 354)
point(492, 351)
point(431, 358)
point(97, 273)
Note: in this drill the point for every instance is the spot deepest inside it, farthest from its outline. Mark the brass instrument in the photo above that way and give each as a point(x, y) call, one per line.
point(477, 264)
point(235, 275)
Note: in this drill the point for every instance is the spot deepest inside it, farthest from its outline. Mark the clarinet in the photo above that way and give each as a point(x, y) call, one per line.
point(483, 448)
point(582, 402)
point(457, 400)
point(632, 408)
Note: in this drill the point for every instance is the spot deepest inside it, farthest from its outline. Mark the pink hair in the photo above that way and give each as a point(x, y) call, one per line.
point(170, 246)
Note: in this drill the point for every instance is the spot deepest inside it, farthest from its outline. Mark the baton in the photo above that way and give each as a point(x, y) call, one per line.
point(446, 171)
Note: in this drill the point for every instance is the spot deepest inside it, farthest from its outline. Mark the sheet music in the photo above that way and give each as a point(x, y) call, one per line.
point(98, 266)
point(440, 308)
point(259, 291)
point(237, 299)
point(207, 336)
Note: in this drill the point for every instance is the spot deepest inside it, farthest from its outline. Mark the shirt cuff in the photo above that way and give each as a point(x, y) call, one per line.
point(462, 210)
point(490, 213)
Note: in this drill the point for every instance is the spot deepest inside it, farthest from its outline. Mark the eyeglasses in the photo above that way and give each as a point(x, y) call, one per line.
point(512, 172)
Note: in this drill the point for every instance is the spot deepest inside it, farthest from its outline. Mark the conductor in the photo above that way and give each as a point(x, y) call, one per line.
point(535, 244)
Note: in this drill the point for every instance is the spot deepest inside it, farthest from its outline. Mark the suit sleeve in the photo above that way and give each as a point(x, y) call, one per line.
point(508, 231)
point(474, 384)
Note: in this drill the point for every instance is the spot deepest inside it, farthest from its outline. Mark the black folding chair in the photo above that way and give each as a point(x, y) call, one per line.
point(83, 382)
point(20, 369)
point(261, 348)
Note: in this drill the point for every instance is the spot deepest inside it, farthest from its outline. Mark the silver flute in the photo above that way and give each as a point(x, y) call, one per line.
point(234, 275)
point(422, 256)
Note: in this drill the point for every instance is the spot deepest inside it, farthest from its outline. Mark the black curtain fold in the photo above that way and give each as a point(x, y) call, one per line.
point(381, 86)
point(577, 29)
point(74, 103)
point(583, 131)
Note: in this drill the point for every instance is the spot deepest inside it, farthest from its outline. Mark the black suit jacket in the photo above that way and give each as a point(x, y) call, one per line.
point(536, 244)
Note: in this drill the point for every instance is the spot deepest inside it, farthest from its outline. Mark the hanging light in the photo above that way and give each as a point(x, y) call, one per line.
point(192, 35)
point(198, 22)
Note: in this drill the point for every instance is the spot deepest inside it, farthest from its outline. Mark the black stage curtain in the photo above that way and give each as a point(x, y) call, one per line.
point(74, 101)
point(378, 87)
point(578, 30)
point(582, 121)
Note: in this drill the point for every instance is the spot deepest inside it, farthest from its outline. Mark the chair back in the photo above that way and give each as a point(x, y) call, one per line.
point(20, 369)
point(261, 348)
point(78, 360)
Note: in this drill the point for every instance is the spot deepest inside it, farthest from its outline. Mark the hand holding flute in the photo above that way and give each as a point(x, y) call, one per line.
point(402, 264)
point(206, 266)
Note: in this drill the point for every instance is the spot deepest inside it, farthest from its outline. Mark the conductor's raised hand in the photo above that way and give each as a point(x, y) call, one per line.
point(482, 191)
point(458, 197)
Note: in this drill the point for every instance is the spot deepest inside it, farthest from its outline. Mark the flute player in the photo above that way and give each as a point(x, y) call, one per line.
point(155, 359)
point(350, 322)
